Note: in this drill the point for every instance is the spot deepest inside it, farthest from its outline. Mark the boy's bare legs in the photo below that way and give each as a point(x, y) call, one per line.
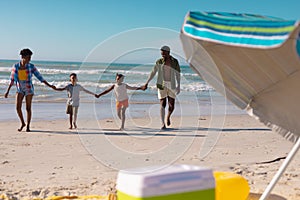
point(28, 109)
point(71, 120)
point(75, 112)
point(19, 99)
point(163, 103)
point(171, 103)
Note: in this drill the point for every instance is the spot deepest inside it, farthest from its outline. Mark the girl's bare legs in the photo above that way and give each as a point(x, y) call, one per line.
point(119, 110)
point(19, 99)
point(119, 113)
point(123, 110)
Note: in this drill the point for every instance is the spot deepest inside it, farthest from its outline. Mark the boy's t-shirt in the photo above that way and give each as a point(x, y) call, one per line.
point(73, 94)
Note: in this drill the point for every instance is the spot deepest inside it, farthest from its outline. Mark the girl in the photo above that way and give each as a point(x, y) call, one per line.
point(120, 90)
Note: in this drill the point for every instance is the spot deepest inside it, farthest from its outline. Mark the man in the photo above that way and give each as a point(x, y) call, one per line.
point(168, 70)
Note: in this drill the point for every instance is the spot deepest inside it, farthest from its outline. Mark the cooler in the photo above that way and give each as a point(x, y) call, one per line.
point(174, 182)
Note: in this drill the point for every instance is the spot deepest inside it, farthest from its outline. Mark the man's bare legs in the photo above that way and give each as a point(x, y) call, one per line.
point(163, 103)
point(171, 103)
point(19, 99)
point(28, 109)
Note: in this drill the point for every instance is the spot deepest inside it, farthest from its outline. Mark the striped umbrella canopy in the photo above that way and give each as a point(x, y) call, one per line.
point(254, 61)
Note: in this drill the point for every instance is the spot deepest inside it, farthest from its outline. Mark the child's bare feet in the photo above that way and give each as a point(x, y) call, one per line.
point(71, 127)
point(168, 121)
point(75, 126)
point(21, 128)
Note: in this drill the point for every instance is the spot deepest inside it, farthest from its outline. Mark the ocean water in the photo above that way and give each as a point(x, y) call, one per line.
point(97, 77)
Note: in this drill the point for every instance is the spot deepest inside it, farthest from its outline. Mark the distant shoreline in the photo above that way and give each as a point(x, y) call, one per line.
point(46, 110)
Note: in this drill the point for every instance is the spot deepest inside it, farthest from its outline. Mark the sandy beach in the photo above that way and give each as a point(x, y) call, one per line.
point(52, 160)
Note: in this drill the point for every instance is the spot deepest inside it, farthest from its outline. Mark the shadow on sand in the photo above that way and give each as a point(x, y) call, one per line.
point(144, 131)
point(255, 196)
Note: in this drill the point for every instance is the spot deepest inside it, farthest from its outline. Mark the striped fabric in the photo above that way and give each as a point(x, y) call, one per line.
point(254, 61)
point(238, 29)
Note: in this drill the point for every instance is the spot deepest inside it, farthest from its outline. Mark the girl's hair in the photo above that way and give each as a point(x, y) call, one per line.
point(119, 75)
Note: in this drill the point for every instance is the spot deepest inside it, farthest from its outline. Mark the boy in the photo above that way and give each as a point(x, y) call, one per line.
point(73, 90)
point(120, 90)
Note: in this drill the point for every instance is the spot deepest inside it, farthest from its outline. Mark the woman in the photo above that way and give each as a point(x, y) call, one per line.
point(21, 75)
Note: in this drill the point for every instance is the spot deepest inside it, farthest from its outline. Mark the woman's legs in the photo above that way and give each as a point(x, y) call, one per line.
point(19, 99)
point(28, 109)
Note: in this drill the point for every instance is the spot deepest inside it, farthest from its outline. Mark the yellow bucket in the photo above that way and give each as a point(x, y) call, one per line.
point(230, 186)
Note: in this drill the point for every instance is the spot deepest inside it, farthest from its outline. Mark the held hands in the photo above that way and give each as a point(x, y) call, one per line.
point(53, 87)
point(144, 87)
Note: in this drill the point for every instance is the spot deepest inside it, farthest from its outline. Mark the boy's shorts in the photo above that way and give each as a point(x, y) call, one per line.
point(69, 109)
point(120, 104)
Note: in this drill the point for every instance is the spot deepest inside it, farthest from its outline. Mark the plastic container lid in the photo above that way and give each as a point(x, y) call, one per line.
point(163, 180)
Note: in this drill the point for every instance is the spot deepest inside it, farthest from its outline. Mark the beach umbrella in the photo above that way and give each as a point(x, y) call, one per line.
point(254, 62)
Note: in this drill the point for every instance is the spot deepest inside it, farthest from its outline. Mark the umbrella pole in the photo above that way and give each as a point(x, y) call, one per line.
point(282, 168)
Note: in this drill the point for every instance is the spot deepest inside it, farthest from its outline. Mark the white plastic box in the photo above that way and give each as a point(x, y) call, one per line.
point(175, 182)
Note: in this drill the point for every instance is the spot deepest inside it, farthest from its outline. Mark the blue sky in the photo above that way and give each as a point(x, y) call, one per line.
point(73, 30)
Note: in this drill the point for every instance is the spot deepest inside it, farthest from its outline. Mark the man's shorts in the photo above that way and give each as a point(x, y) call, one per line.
point(167, 91)
point(120, 104)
